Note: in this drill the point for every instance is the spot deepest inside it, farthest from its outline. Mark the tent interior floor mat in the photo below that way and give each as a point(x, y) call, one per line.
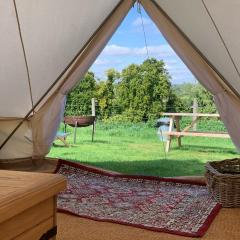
point(176, 206)
point(224, 227)
point(45, 165)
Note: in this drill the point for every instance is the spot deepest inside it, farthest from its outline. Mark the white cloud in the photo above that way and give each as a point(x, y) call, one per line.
point(115, 50)
point(172, 61)
point(118, 57)
point(163, 50)
point(100, 61)
point(138, 21)
point(157, 51)
point(174, 65)
point(149, 26)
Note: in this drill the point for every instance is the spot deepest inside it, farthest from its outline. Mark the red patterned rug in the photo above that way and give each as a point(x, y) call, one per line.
point(166, 205)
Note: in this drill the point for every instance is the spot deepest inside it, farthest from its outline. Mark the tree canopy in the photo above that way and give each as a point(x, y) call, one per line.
point(106, 93)
point(144, 90)
point(140, 92)
point(79, 99)
point(186, 92)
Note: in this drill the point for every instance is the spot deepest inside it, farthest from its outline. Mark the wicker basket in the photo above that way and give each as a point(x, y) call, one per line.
point(223, 181)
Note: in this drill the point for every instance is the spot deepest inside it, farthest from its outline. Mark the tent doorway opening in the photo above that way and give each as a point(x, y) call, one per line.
point(137, 77)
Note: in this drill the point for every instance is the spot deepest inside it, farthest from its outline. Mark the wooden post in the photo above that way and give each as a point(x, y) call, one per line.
point(178, 130)
point(93, 114)
point(93, 107)
point(75, 133)
point(93, 130)
point(195, 110)
point(65, 127)
point(170, 129)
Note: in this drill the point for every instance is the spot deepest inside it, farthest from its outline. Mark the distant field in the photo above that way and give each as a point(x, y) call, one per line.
point(136, 149)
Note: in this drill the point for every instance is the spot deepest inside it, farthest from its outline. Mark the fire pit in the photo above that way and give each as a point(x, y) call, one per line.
point(78, 122)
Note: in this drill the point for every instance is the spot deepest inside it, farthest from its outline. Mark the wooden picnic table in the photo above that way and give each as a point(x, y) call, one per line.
point(178, 133)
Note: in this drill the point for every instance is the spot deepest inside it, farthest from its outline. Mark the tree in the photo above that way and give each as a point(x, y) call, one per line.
point(174, 104)
point(139, 93)
point(144, 89)
point(186, 92)
point(205, 100)
point(79, 99)
point(106, 93)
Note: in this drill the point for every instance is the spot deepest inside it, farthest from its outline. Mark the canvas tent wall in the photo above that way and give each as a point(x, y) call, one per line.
point(53, 43)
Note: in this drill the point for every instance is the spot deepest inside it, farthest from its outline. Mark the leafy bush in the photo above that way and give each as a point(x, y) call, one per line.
point(205, 124)
point(138, 94)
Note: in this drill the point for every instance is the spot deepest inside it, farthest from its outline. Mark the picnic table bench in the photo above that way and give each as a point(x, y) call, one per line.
point(178, 133)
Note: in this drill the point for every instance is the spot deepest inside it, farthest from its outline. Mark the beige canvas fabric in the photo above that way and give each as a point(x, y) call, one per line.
point(52, 33)
point(20, 145)
point(228, 104)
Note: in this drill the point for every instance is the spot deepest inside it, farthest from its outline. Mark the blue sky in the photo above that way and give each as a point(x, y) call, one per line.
point(127, 46)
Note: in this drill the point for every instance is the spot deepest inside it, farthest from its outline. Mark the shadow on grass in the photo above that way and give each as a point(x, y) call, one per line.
point(98, 141)
point(106, 141)
point(63, 146)
point(158, 167)
point(79, 143)
point(86, 141)
point(212, 149)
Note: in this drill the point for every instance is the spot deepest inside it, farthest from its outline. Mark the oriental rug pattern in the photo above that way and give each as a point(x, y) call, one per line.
point(166, 205)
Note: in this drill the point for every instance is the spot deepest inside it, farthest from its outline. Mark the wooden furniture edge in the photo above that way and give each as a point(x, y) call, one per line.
point(22, 201)
point(197, 134)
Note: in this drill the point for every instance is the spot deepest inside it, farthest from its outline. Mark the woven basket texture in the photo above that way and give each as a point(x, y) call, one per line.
point(223, 181)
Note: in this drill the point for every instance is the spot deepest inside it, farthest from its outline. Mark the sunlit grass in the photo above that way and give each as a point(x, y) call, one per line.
point(136, 149)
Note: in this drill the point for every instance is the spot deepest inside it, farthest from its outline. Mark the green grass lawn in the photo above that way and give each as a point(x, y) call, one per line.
point(136, 149)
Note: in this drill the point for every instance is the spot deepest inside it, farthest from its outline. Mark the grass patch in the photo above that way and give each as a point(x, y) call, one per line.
point(136, 149)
